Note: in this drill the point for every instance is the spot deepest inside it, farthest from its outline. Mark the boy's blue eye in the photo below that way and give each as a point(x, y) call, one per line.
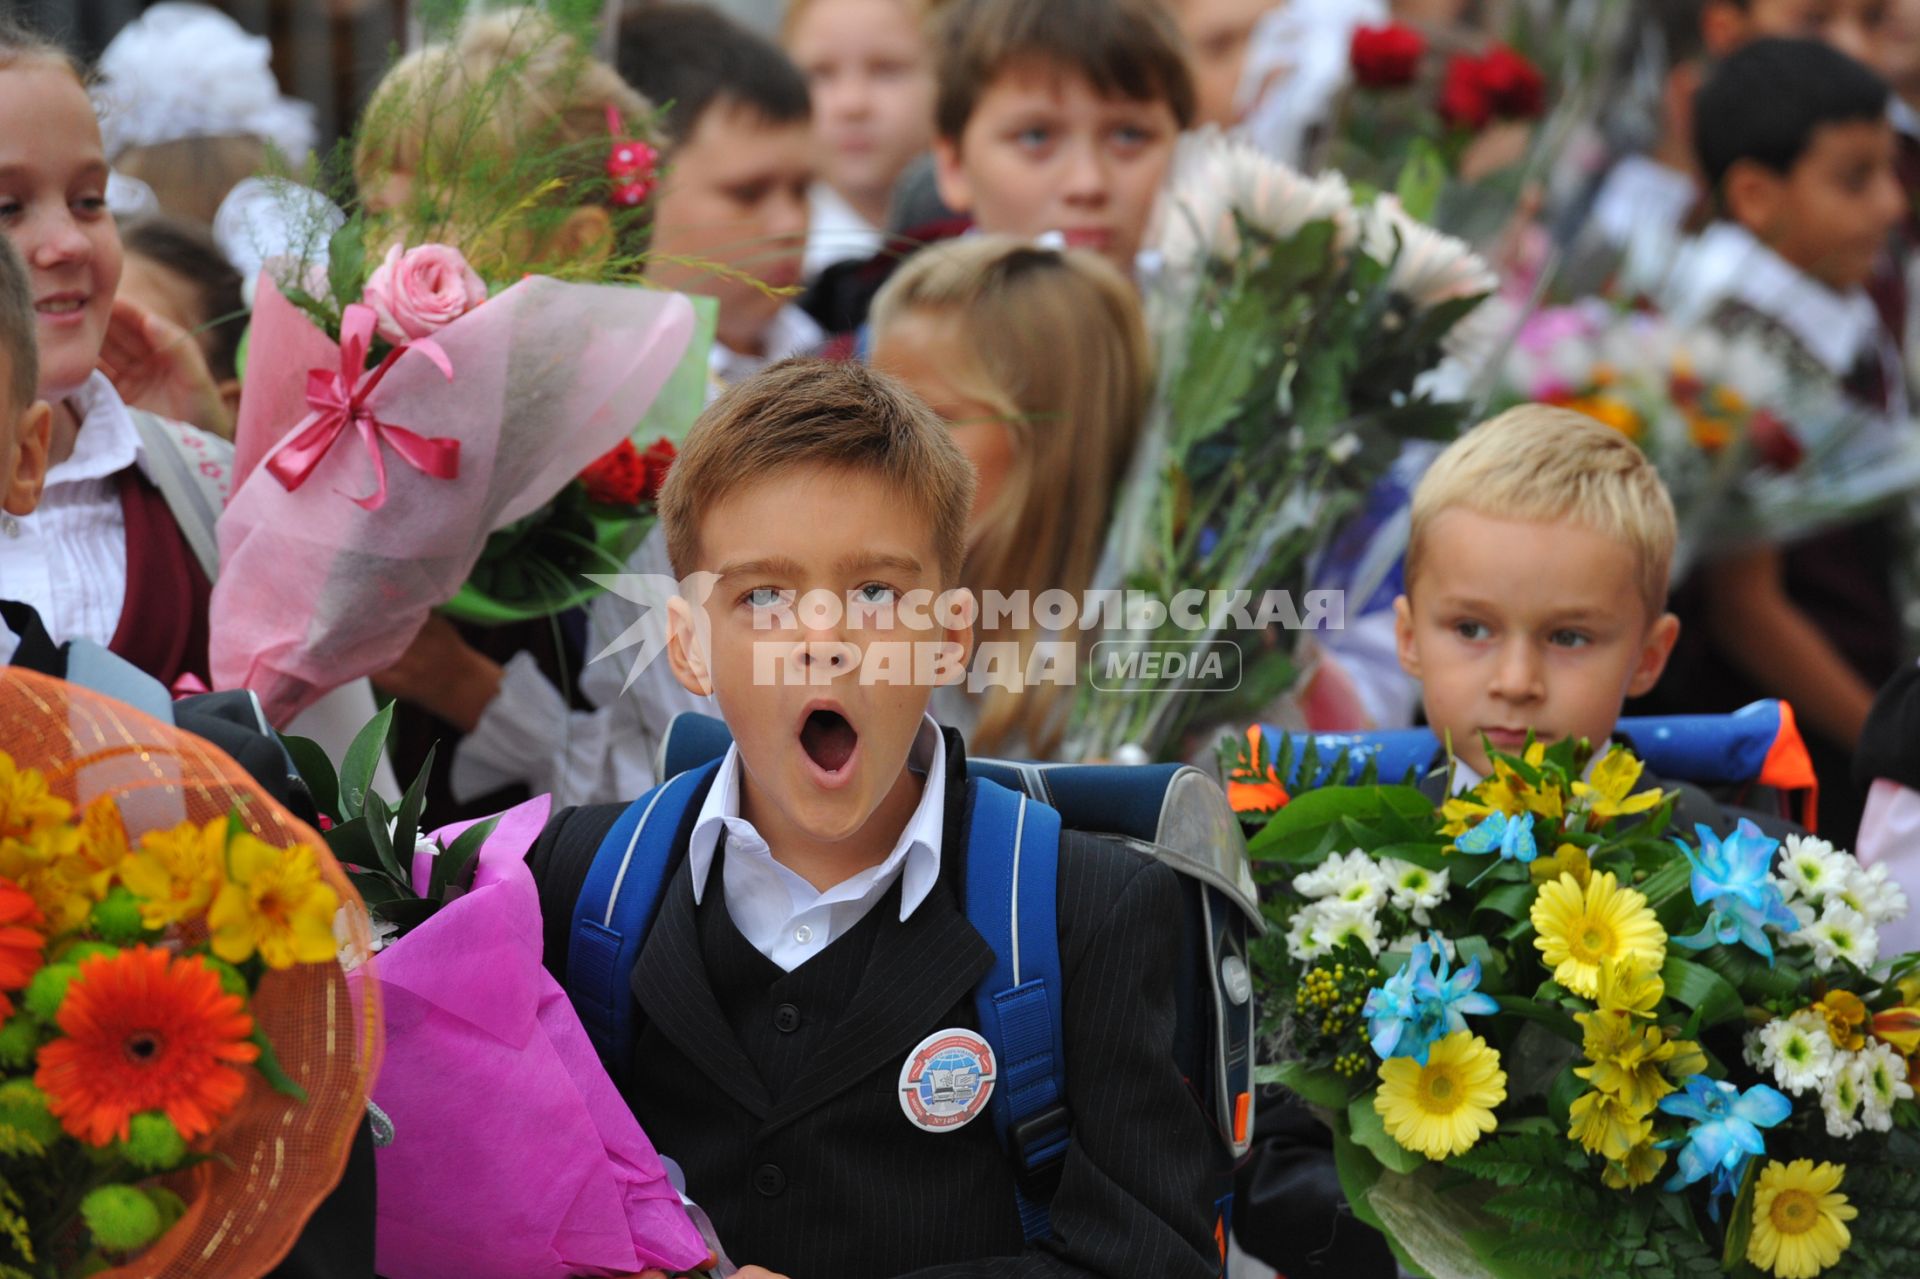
point(1471, 630)
point(762, 597)
point(1570, 639)
point(1034, 138)
point(875, 593)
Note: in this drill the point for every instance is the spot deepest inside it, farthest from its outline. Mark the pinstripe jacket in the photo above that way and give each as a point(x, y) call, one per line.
point(819, 1175)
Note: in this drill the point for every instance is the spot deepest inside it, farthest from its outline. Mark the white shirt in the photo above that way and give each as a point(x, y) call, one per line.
point(785, 917)
point(836, 232)
point(69, 558)
point(792, 332)
point(1643, 204)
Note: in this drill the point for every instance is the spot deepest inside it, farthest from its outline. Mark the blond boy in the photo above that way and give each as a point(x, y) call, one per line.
point(1536, 584)
point(811, 937)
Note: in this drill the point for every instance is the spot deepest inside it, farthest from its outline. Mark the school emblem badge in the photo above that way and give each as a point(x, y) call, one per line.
point(946, 1080)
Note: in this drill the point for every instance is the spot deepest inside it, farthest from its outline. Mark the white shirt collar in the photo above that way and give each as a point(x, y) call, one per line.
point(107, 442)
point(1728, 261)
point(915, 858)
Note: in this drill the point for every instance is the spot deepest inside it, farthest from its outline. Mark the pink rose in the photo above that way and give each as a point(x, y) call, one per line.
point(421, 291)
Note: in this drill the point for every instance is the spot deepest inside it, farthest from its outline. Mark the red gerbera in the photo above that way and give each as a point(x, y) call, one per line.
point(22, 950)
point(146, 1030)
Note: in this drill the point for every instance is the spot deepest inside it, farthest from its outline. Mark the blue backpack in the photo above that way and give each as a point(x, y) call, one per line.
point(1015, 813)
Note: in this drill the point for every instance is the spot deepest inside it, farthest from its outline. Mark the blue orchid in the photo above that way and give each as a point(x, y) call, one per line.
point(1726, 1130)
point(1731, 875)
point(1511, 837)
point(1423, 1003)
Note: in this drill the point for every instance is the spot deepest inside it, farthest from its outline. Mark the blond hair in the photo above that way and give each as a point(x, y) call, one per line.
point(507, 84)
point(808, 412)
point(1553, 465)
point(917, 11)
point(1054, 344)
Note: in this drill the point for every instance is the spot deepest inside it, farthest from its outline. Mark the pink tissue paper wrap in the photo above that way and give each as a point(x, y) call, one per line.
point(514, 1156)
point(315, 591)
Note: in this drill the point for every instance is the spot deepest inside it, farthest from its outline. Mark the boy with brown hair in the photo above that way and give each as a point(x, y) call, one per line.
point(810, 945)
point(1050, 116)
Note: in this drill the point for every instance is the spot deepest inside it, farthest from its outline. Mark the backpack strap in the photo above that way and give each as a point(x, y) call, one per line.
point(1013, 860)
point(616, 906)
point(194, 472)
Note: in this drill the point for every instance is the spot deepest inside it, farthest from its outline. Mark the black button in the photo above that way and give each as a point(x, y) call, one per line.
point(769, 1180)
point(786, 1019)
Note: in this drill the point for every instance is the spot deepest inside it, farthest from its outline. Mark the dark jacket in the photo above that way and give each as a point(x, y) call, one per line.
point(778, 1093)
point(1890, 743)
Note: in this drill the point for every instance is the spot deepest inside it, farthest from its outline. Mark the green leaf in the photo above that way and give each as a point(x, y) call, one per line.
point(347, 262)
point(1714, 1000)
point(316, 770)
point(378, 818)
point(1298, 828)
point(1370, 1130)
point(1321, 1087)
point(1512, 900)
point(1422, 179)
point(270, 1069)
point(1562, 1093)
point(1358, 1171)
point(1545, 1015)
point(406, 827)
point(363, 757)
point(450, 867)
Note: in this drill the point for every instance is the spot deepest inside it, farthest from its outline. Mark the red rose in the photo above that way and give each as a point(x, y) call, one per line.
point(1386, 57)
point(618, 477)
point(1464, 103)
point(659, 459)
point(1515, 86)
point(1774, 442)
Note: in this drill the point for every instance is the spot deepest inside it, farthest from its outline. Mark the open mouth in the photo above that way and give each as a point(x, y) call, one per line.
point(829, 739)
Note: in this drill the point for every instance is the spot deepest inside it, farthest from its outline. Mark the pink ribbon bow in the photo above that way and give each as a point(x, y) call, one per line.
point(339, 399)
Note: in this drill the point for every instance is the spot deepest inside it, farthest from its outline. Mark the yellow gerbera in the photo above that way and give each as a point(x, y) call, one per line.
point(1577, 930)
point(176, 872)
point(1441, 1108)
point(1610, 792)
point(275, 902)
point(1799, 1219)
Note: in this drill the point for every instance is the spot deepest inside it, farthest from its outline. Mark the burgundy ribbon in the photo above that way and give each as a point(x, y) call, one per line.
point(339, 399)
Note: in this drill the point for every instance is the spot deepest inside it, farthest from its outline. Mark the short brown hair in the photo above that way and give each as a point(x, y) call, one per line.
point(810, 412)
point(1125, 48)
point(19, 338)
point(1553, 465)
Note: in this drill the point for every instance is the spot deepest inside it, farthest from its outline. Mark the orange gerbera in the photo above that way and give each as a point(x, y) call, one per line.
point(21, 948)
point(146, 1030)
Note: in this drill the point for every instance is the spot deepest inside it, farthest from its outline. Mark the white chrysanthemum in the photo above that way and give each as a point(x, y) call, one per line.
point(1414, 889)
point(1811, 868)
point(1875, 894)
point(1344, 926)
point(1840, 1099)
point(1842, 932)
point(1428, 266)
point(1307, 935)
point(1797, 1050)
point(1338, 873)
point(1213, 177)
point(1882, 1080)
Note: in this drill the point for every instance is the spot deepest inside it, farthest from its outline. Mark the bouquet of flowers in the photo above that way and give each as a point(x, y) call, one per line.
point(1553, 1037)
point(565, 1171)
point(1746, 451)
point(184, 1067)
point(432, 414)
point(1294, 325)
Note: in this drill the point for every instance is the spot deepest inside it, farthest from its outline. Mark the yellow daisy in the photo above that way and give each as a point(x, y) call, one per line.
point(1441, 1108)
point(274, 901)
point(1610, 792)
point(1799, 1219)
point(1577, 930)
